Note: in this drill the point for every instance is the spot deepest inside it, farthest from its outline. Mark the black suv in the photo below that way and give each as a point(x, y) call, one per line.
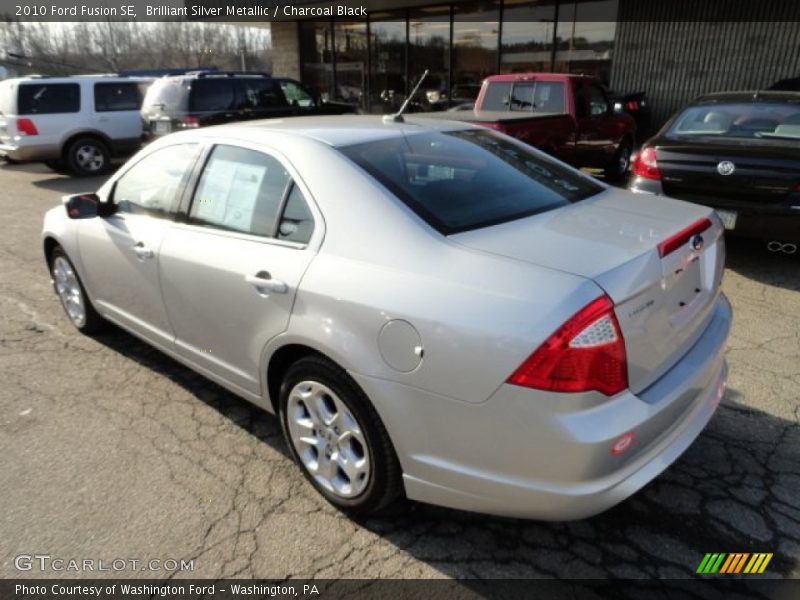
point(212, 98)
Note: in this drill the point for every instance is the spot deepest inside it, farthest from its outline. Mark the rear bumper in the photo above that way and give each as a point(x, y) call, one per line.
point(33, 152)
point(530, 454)
point(780, 221)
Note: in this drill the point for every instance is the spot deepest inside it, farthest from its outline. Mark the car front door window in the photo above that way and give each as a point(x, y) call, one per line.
point(296, 94)
point(151, 186)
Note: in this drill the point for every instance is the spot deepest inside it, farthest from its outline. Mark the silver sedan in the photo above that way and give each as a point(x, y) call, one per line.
point(433, 310)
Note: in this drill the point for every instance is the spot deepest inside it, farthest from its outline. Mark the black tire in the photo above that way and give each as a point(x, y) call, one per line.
point(87, 157)
point(92, 322)
point(617, 169)
point(384, 485)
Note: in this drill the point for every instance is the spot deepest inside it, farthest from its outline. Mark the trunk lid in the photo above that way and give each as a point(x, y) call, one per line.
point(662, 304)
point(764, 171)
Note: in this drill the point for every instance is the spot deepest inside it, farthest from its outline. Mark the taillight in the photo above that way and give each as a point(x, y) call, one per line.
point(674, 242)
point(585, 353)
point(645, 165)
point(26, 127)
point(631, 105)
point(191, 122)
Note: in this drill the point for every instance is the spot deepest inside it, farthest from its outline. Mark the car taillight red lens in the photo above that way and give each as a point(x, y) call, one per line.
point(645, 164)
point(674, 242)
point(586, 353)
point(191, 122)
point(26, 127)
point(631, 105)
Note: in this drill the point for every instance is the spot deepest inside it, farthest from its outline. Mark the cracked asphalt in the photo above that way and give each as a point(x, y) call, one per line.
point(109, 449)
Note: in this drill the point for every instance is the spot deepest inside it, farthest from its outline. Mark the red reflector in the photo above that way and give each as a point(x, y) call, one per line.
point(191, 122)
point(674, 242)
point(26, 127)
point(585, 353)
point(645, 165)
point(622, 444)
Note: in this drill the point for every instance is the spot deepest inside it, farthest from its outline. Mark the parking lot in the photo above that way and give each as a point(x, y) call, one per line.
point(109, 450)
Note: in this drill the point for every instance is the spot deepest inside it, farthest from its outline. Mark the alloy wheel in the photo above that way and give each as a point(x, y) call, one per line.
point(69, 291)
point(328, 439)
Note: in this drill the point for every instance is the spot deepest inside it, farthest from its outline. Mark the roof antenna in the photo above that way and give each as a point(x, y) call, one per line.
point(398, 116)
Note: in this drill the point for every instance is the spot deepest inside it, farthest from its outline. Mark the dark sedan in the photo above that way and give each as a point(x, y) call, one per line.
point(738, 152)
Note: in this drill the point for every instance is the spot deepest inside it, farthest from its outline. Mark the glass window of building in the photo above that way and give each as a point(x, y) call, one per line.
point(387, 83)
point(585, 37)
point(316, 49)
point(527, 39)
point(351, 62)
point(476, 27)
point(429, 48)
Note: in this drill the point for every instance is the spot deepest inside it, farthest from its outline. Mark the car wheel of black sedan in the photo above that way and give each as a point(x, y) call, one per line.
point(337, 438)
point(72, 294)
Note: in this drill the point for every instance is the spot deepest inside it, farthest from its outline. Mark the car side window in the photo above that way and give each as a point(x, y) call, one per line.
point(598, 103)
point(212, 94)
point(49, 98)
point(110, 97)
point(151, 186)
point(297, 223)
point(296, 94)
point(262, 93)
point(240, 190)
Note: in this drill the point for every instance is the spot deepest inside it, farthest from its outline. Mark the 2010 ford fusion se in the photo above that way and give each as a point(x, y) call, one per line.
point(432, 309)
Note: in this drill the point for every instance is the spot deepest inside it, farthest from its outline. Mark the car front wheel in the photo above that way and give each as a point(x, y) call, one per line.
point(337, 438)
point(72, 294)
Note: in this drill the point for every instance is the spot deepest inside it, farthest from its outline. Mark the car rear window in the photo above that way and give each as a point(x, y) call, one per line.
point(463, 180)
point(166, 95)
point(49, 98)
point(759, 120)
point(533, 96)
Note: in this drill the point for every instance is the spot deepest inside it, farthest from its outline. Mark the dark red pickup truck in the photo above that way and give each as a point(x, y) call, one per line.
point(568, 116)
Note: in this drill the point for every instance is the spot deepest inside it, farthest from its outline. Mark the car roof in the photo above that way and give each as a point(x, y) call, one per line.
point(335, 130)
point(750, 96)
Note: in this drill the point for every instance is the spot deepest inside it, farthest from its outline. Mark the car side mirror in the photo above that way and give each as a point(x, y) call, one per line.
point(82, 206)
point(86, 206)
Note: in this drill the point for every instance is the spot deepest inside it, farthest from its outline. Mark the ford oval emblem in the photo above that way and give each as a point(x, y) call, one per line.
point(726, 167)
point(698, 242)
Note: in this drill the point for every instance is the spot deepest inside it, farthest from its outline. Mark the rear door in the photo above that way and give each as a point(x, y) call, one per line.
point(120, 253)
point(231, 272)
point(116, 110)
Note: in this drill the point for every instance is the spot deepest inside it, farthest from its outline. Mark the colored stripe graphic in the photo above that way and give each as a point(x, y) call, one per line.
point(720, 562)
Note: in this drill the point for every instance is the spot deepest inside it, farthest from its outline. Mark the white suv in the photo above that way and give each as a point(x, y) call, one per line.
point(78, 123)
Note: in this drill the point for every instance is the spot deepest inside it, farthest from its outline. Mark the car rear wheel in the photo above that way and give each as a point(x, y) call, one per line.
point(618, 168)
point(88, 156)
point(337, 438)
point(72, 294)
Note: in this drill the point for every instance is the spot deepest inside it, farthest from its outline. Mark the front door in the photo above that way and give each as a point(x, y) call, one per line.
point(230, 273)
point(120, 253)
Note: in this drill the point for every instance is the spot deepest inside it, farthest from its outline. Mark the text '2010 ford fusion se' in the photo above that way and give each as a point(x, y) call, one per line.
point(432, 309)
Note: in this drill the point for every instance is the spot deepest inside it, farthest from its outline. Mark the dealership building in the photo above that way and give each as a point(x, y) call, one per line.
point(674, 50)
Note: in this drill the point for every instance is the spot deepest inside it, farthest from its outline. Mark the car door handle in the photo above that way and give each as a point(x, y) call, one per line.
point(264, 281)
point(142, 251)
